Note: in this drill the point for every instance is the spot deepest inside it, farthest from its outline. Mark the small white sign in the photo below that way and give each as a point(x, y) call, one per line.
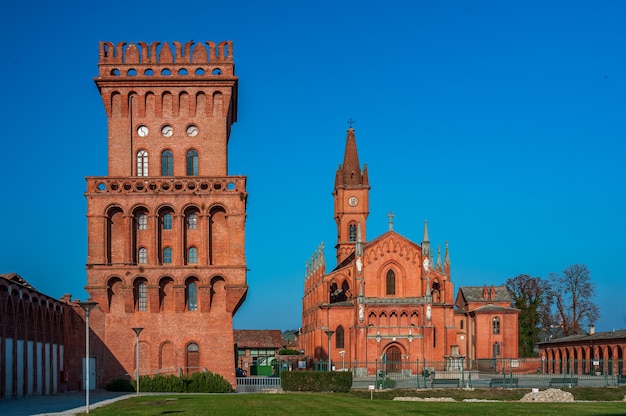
point(371, 387)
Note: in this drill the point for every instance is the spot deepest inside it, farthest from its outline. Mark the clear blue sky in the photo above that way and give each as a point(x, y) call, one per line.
point(502, 123)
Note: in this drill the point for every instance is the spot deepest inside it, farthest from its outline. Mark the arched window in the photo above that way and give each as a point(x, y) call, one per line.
point(143, 256)
point(167, 163)
point(167, 221)
point(167, 255)
point(192, 257)
point(192, 163)
point(352, 231)
point(191, 296)
point(142, 163)
point(192, 221)
point(339, 337)
point(391, 282)
point(495, 325)
point(141, 295)
point(142, 221)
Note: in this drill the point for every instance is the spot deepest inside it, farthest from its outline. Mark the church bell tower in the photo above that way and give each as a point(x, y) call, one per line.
point(351, 195)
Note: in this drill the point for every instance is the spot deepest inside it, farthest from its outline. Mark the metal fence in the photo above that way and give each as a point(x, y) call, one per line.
point(489, 373)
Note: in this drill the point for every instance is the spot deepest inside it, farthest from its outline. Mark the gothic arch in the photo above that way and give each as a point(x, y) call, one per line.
point(201, 104)
point(218, 294)
point(150, 100)
point(115, 235)
point(167, 104)
point(218, 104)
point(218, 236)
point(140, 222)
point(167, 357)
point(393, 357)
point(184, 102)
point(115, 295)
point(166, 294)
point(192, 294)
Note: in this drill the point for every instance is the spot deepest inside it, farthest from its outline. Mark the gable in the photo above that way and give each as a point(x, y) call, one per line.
point(392, 244)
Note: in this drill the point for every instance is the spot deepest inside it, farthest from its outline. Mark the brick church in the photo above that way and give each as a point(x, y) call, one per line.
point(390, 297)
point(166, 226)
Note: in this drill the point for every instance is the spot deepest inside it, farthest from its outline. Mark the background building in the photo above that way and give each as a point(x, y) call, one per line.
point(166, 226)
point(486, 324)
point(257, 350)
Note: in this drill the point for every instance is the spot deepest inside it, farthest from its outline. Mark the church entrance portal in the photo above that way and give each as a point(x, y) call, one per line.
point(394, 360)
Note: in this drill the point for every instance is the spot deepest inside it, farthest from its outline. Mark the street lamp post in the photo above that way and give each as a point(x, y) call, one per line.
point(87, 306)
point(137, 332)
point(330, 333)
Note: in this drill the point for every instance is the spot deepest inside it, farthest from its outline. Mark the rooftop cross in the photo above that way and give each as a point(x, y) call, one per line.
point(390, 216)
point(351, 122)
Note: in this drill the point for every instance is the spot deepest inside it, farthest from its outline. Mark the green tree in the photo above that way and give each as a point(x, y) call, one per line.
point(572, 292)
point(531, 296)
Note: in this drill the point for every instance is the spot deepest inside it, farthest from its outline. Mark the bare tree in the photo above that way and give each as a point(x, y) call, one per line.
point(572, 292)
point(531, 296)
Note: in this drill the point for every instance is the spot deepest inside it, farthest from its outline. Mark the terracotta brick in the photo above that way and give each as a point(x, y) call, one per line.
point(198, 109)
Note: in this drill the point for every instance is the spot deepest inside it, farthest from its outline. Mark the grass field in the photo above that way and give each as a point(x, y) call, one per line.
point(359, 403)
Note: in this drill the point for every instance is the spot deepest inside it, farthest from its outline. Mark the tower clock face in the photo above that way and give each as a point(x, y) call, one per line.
point(192, 131)
point(142, 131)
point(353, 201)
point(167, 131)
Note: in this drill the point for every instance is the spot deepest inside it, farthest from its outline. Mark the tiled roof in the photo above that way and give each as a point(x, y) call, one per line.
point(598, 336)
point(16, 278)
point(475, 294)
point(263, 338)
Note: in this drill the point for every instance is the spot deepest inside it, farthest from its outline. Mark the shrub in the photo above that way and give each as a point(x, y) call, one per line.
point(288, 352)
point(205, 382)
point(388, 384)
point(120, 384)
point(316, 381)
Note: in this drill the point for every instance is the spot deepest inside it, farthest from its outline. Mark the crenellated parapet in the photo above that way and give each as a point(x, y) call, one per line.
point(192, 59)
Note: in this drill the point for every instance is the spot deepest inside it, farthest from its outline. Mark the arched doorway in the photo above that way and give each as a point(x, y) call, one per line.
point(393, 363)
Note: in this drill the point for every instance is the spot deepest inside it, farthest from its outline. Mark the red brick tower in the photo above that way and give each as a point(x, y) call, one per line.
point(351, 200)
point(166, 226)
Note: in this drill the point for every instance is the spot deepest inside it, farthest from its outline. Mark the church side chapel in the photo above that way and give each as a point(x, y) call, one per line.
point(387, 299)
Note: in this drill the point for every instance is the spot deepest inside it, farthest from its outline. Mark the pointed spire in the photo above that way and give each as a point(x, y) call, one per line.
point(446, 261)
point(426, 243)
point(359, 241)
point(439, 265)
point(366, 180)
point(351, 169)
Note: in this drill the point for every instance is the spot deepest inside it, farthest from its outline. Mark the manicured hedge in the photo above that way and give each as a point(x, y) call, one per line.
point(206, 382)
point(337, 381)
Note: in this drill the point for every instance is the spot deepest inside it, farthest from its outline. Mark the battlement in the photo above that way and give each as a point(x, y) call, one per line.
point(158, 59)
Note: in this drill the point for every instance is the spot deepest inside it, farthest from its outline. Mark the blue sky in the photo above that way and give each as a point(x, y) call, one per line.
point(502, 123)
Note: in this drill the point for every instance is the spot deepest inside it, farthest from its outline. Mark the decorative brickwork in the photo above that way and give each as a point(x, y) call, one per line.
point(386, 298)
point(166, 226)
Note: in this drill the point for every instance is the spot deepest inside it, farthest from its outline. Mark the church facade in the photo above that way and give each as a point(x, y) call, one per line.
point(166, 226)
point(388, 298)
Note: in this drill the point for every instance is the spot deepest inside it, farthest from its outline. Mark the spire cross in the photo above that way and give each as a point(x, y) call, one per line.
point(351, 122)
point(390, 216)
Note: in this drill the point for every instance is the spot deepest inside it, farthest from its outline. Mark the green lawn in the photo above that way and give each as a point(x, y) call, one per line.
point(343, 404)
